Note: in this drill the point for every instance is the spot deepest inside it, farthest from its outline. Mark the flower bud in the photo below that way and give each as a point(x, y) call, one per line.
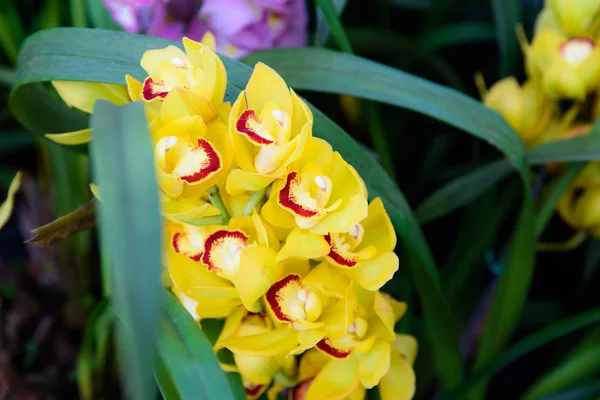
point(525, 108)
point(581, 17)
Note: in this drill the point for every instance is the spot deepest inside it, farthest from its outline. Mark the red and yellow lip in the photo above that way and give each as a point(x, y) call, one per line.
point(306, 196)
point(188, 244)
point(354, 339)
point(222, 252)
point(292, 302)
point(251, 126)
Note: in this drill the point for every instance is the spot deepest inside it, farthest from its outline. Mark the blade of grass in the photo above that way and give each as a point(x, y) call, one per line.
point(78, 15)
point(553, 196)
point(130, 232)
point(322, 30)
point(12, 33)
point(582, 363)
point(507, 14)
point(335, 26)
point(523, 347)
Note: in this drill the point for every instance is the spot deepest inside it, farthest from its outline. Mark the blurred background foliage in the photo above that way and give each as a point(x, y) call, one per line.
point(55, 329)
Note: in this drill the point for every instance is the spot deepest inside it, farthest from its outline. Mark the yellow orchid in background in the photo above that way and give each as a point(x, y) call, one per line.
point(525, 108)
point(191, 156)
point(257, 371)
point(321, 193)
point(268, 127)
point(364, 253)
point(565, 67)
point(579, 207)
point(576, 18)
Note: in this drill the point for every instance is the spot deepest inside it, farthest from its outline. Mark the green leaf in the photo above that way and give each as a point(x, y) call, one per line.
point(189, 358)
point(99, 16)
point(322, 29)
point(525, 346)
point(79, 220)
point(582, 363)
point(333, 21)
point(554, 194)
point(78, 15)
point(507, 14)
point(456, 34)
point(413, 4)
point(130, 233)
point(11, 30)
point(465, 189)
point(461, 191)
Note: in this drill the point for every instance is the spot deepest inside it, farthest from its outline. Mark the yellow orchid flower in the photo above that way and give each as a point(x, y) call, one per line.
point(576, 18)
point(321, 193)
point(257, 371)
point(565, 67)
point(268, 126)
point(363, 357)
point(217, 263)
point(365, 252)
point(579, 206)
point(198, 72)
point(525, 108)
point(191, 156)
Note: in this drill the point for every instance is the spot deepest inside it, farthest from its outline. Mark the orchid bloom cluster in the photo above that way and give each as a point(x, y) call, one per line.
point(240, 26)
point(563, 67)
point(268, 228)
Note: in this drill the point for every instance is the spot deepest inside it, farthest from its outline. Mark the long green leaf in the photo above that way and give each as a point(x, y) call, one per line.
point(525, 346)
point(465, 189)
point(582, 363)
point(457, 34)
point(322, 27)
point(130, 232)
point(333, 21)
point(187, 355)
point(507, 14)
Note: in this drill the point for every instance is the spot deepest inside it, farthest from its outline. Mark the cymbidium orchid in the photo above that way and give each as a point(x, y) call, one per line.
point(268, 126)
point(525, 107)
point(580, 205)
point(266, 227)
point(566, 67)
point(576, 18)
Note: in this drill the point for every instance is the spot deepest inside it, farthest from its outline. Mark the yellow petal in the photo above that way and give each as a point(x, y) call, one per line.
point(256, 275)
point(407, 346)
point(303, 244)
point(335, 381)
point(83, 95)
point(274, 214)
point(399, 382)
point(330, 280)
point(209, 40)
point(346, 181)
point(266, 85)
point(374, 364)
point(134, 88)
point(7, 206)
point(258, 370)
point(276, 342)
point(71, 138)
point(240, 181)
point(152, 59)
point(95, 191)
point(183, 103)
point(379, 231)
point(373, 273)
point(344, 218)
point(311, 363)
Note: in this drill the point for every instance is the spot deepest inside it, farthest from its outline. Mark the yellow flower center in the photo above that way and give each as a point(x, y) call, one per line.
point(358, 328)
point(306, 306)
point(577, 50)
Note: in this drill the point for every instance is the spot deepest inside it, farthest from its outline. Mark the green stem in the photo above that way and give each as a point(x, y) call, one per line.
point(217, 202)
point(78, 16)
point(255, 198)
point(569, 245)
point(285, 380)
point(204, 221)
